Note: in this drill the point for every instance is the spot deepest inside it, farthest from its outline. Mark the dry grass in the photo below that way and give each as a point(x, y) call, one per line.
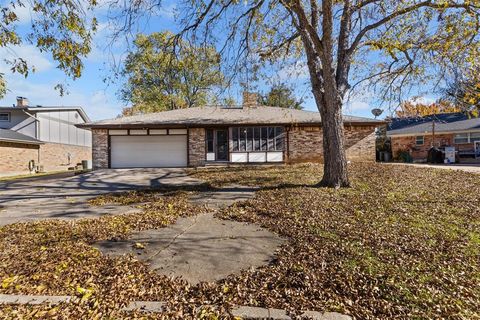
point(401, 243)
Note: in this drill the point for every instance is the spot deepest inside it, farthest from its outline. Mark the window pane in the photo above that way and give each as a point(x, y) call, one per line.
point(256, 139)
point(249, 139)
point(264, 138)
point(279, 139)
point(209, 140)
point(271, 139)
point(419, 140)
point(474, 136)
point(235, 139)
point(243, 133)
point(5, 116)
point(461, 138)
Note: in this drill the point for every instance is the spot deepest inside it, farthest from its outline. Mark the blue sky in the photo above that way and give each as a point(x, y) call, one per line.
point(99, 98)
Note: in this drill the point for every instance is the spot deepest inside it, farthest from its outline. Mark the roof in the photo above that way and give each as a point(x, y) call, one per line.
point(34, 109)
point(218, 115)
point(14, 136)
point(446, 122)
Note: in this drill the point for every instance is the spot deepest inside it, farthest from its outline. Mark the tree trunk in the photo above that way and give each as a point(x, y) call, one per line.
point(335, 174)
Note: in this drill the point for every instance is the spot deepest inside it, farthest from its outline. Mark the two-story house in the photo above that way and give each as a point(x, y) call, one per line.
point(42, 138)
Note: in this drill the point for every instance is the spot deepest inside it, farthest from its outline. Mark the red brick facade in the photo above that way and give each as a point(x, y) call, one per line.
point(16, 156)
point(50, 156)
point(303, 144)
point(100, 151)
point(196, 147)
point(420, 152)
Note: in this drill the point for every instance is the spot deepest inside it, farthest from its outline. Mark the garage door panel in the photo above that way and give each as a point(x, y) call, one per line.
point(148, 151)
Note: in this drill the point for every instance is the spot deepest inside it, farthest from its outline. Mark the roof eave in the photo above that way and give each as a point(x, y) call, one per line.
point(21, 141)
point(191, 125)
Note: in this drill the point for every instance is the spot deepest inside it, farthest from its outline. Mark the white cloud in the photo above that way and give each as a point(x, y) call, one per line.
point(97, 104)
point(422, 100)
point(30, 53)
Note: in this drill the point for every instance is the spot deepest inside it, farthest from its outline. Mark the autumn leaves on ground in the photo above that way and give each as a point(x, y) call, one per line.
point(401, 243)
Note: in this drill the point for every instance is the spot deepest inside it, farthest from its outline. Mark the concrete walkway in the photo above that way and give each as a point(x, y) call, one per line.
point(199, 248)
point(472, 168)
point(67, 197)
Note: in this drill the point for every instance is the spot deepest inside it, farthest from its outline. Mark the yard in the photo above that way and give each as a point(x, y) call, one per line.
point(403, 242)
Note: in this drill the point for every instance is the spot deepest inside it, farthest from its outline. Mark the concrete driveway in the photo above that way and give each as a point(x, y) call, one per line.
point(66, 197)
point(472, 168)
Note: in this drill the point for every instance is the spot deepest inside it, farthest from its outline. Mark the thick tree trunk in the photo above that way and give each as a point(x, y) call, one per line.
point(335, 161)
point(335, 174)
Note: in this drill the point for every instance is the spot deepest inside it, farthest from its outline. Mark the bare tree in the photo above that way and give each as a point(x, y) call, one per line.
point(388, 44)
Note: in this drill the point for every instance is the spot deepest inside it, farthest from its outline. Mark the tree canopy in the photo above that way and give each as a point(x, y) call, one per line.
point(162, 74)
point(280, 95)
point(385, 44)
point(420, 109)
point(464, 91)
point(63, 28)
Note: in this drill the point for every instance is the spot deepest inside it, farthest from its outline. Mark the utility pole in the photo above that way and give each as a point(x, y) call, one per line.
point(433, 132)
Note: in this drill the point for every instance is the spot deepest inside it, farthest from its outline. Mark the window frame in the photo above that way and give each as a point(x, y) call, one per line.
point(477, 138)
point(467, 137)
point(9, 117)
point(258, 139)
point(417, 140)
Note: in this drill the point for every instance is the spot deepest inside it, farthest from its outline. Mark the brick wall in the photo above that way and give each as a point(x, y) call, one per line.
point(196, 146)
point(306, 144)
point(360, 143)
point(15, 157)
point(100, 148)
point(58, 156)
point(420, 153)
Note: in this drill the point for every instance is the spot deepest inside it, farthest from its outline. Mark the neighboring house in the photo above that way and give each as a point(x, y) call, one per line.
point(202, 135)
point(417, 135)
point(45, 135)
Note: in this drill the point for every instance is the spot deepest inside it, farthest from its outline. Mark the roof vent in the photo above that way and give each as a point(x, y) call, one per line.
point(22, 102)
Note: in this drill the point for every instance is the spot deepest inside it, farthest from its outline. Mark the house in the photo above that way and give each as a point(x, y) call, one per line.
point(42, 138)
point(218, 134)
point(417, 135)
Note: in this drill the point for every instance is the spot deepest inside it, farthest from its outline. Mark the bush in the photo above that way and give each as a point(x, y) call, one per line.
point(404, 156)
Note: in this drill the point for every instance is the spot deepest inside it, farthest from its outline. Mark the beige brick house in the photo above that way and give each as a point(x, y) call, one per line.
point(42, 138)
point(416, 135)
point(202, 135)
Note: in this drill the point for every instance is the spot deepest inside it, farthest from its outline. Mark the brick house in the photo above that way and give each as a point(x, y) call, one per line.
point(42, 137)
point(202, 135)
point(417, 135)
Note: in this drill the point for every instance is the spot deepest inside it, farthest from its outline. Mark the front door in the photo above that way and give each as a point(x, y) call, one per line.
point(221, 150)
point(477, 149)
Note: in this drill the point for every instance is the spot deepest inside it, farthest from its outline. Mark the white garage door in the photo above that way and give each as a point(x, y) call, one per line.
point(148, 151)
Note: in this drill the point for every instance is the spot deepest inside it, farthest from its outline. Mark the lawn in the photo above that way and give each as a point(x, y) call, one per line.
point(402, 242)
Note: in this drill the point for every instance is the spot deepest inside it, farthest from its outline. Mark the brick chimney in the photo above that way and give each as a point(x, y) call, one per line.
point(22, 102)
point(250, 99)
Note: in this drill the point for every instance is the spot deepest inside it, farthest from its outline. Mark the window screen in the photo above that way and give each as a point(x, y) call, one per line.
point(4, 116)
point(419, 140)
point(461, 138)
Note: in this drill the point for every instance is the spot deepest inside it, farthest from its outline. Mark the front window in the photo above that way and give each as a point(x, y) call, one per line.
point(474, 136)
point(257, 139)
point(209, 140)
point(5, 116)
point(461, 138)
point(419, 140)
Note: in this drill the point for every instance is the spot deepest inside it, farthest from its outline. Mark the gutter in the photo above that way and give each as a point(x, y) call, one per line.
point(22, 141)
point(186, 125)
